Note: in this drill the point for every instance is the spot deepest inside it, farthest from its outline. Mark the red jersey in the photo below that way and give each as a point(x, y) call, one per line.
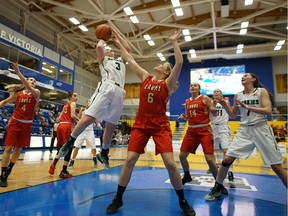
point(66, 113)
point(196, 111)
point(25, 106)
point(153, 97)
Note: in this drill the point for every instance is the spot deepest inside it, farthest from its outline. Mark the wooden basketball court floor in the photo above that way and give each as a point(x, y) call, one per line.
point(32, 191)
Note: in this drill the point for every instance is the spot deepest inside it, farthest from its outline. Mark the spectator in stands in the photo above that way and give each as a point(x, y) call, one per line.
point(177, 124)
point(54, 136)
point(51, 118)
point(40, 130)
point(66, 121)
point(5, 115)
point(18, 132)
point(254, 104)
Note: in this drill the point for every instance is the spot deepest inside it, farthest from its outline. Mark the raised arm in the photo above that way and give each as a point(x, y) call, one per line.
point(122, 41)
point(175, 72)
point(100, 51)
point(126, 56)
point(35, 92)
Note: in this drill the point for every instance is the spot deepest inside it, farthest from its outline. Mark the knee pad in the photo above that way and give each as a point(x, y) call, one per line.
point(226, 164)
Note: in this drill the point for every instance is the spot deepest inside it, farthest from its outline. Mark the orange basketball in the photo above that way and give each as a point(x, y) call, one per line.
point(103, 32)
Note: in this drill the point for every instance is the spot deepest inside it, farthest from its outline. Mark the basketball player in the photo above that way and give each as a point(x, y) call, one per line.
point(254, 103)
point(106, 102)
point(198, 107)
point(151, 120)
point(18, 131)
point(88, 136)
point(66, 121)
point(221, 129)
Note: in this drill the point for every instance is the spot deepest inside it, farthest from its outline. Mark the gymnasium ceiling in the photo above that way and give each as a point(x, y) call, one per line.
point(213, 35)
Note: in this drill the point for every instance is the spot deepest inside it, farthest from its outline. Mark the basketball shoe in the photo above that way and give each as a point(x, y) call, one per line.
point(215, 193)
point(187, 209)
point(104, 160)
point(231, 179)
point(114, 206)
point(65, 174)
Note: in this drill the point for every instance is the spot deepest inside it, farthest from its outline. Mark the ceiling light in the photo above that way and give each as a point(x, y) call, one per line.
point(175, 3)
point(248, 2)
point(83, 28)
point(147, 37)
point(74, 21)
point(243, 31)
point(187, 38)
point(186, 32)
point(240, 46)
point(134, 19)
point(179, 12)
point(192, 51)
point(151, 43)
point(280, 42)
point(128, 11)
point(159, 55)
point(162, 58)
point(193, 55)
point(239, 51)
point(245, 24)
point(277, 47)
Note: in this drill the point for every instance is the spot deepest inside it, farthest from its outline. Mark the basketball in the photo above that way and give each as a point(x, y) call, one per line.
point(103, 32)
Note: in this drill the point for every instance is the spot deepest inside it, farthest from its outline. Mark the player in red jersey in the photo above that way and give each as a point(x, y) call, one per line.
point(151, 120)
point(199, 131)
point(18, 132)
point(66, 121)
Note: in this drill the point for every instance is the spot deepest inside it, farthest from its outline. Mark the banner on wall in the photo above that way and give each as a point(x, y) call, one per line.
point(281, 83)
point(19, 40)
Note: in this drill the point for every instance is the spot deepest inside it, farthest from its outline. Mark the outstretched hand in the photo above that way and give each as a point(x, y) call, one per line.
point(15, 66)
point(175, 36)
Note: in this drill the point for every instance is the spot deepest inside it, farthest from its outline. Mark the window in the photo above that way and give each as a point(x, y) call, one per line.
point(28, 61)
point(65, 76)
point(49, 69)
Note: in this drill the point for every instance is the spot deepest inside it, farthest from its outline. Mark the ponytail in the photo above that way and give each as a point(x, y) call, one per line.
point(14, 88)
point(258, 84)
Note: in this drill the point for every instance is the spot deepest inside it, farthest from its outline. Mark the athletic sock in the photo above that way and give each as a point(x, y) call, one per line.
point(180, 194)
point(187, 173)
point(11, 165)
point(120, 192)
point(55, 161)
point(104, 152)
point(4, 172)
point(64, 169)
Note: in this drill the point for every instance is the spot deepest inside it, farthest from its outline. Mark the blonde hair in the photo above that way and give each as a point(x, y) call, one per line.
point(168, 68)
point(14, 88)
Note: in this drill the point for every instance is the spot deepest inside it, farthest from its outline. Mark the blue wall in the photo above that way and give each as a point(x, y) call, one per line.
point(262, 67)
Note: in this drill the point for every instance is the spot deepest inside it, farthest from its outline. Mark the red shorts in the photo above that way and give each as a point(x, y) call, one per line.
point(144, 128)
point(18, 134)
point(196, 136)
point(64, 131)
